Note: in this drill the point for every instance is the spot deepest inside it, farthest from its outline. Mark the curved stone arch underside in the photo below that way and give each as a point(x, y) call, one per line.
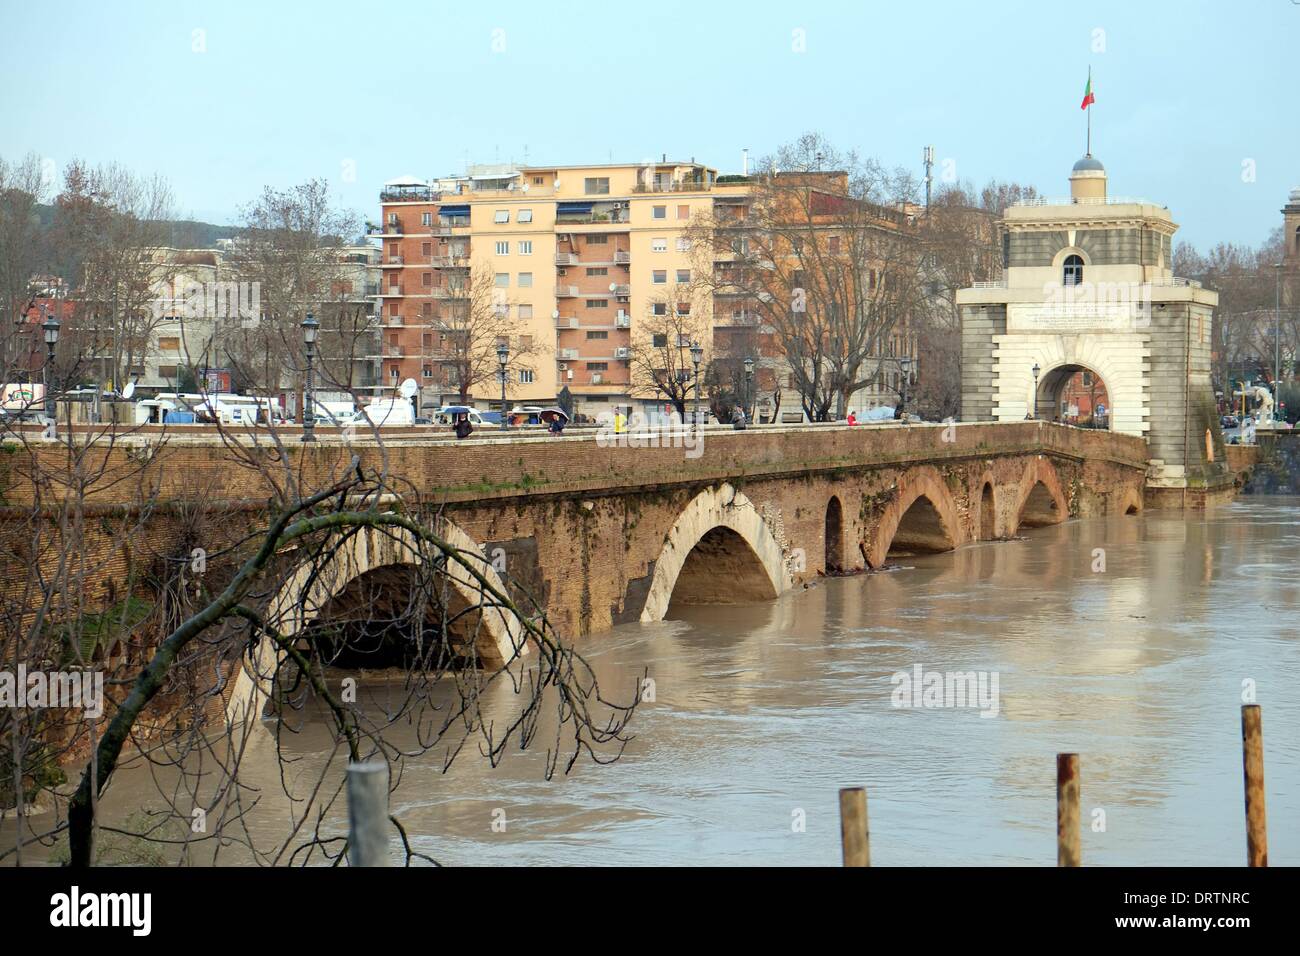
point(923, 482)
point(721, 507)
point(302, 596)
point(1040, 471)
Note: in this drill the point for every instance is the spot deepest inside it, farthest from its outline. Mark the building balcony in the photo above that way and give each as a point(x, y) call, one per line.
point(566, 291)
point(618, 289)
point(566, 322)
point(449, 292)
point(394, 351)
point(622, 257)
point(451, 227)
point(392, 261)
point(392, 290)
point(408, 194)
point(673, 186)
point(449, 262)
point(566, 355)
point(566, 259)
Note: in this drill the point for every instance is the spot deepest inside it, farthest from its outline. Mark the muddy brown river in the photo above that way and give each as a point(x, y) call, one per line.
point(762, 712)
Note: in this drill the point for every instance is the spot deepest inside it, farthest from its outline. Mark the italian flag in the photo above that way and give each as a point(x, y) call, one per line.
point(1088, 97)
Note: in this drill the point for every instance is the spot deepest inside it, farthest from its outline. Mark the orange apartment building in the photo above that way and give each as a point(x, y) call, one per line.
point(577, 255)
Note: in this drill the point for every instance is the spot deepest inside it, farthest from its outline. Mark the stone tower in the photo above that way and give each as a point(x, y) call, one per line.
point(1087, 287)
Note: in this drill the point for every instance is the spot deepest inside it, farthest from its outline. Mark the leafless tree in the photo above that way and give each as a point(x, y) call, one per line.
point(660, 357)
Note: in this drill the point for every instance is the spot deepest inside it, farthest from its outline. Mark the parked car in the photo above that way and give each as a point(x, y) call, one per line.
point(476, 418)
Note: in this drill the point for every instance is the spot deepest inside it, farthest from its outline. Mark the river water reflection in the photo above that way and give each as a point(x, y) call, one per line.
point(762, 712)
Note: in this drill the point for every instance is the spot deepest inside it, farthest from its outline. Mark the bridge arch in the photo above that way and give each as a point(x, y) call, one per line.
point(309, 590)
point(833, 527)
point(985, 508)
point(719, 550)
point(922, 517)
point(1040, 500)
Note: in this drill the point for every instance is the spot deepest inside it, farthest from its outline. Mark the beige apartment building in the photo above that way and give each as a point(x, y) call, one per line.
point(577, 256)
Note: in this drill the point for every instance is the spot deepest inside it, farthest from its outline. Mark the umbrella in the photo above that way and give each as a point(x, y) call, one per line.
point(456, 410)
point(550, 414)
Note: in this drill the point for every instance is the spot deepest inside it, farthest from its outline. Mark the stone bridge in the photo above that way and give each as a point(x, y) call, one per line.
point(601, 534)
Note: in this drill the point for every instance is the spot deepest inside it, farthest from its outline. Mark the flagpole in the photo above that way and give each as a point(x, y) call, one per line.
point(1088, 152)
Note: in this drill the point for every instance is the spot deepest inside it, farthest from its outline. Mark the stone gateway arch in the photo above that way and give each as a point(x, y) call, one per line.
point(1088, 306)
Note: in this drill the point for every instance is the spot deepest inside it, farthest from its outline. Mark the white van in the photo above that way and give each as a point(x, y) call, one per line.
point(390, 411)
point(443, 417)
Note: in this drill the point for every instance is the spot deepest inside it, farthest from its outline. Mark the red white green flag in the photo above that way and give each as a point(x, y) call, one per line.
point(1088, 97)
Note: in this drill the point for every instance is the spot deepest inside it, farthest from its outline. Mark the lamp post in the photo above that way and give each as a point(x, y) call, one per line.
point(749, 389)
point(1277, 340)
point(1036, 370)
point(697, 356)
point(503, 356)
point(905, 367)
point(51, 327)
point(310, 329)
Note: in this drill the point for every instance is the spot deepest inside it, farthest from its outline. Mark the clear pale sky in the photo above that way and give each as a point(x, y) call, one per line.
point(275, 93)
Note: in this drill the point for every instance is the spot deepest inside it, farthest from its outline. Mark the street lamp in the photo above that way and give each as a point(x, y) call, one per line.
point(51, 327)
point(749, 388)
point(697, 356)
point(503, 356)
point(310, 329)
point(1036, 370)
point(1277, 340)
point(905, 366)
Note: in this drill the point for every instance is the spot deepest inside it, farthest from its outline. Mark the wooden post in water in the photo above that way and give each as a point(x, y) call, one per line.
point(855, 838)
point(368, 814)
point(1252, 758)
point(1068, 850)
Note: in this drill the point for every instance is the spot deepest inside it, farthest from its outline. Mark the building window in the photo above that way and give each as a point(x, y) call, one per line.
point(833, 245)
point(596, 185)
point(1072, 274)
point(426, 219)
point(426, 248)
point(602, 334)
point(658, 245)
point(660, 276)
point(1087, 380)
point(427, 371)
point(501, 280)
point(598, 271)
point(683, 244)
point(598, 303)
point(525, 311)
point(502, 215)
point(169, 345)
point(525, 280)
point(683, 212)
point(524, 215)
point(597, 240)
point(167, 371)
point(660, 308)
point(659, 341)
point(526, 247)
point(426, 279)
point(597, 366)
point(539, 180)
point(660, 212)
point(683, 275)
point(503, 248)
point(525, 376)
point(683, 308)
point(426, 308)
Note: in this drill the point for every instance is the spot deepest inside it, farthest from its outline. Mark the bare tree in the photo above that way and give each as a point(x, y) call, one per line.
point(660, 357)
point(826, 254)
point(474, 318)
point(23, 253)
point(110, 224)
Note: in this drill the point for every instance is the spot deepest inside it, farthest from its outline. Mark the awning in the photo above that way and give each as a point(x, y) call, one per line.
point(574, 207)
point(406, 181)
point(453, 210)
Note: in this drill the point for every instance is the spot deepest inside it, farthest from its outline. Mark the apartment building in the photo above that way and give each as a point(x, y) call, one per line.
point(577, 256)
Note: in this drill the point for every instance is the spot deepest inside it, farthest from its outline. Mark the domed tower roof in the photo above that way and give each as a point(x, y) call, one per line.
point(1295, 195)
point(1088, 180)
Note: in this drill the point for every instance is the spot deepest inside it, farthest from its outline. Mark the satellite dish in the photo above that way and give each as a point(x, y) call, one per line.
point(524, 187)
point(555, 314)
point(613, 286)
point(129, 390)
point(409, 388)
point(556, 184)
